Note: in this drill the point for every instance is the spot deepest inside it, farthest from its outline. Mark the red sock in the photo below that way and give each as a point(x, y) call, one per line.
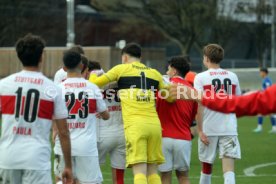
point(206, 168)
point(120, 176)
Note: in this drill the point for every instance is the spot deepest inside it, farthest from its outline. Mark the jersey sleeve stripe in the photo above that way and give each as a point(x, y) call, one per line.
point(46, 109)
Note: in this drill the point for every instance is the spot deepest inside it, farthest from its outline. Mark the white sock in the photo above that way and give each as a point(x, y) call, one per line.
point(205, 178)
point(229, 177)
point(260, 127)
point(273, 127)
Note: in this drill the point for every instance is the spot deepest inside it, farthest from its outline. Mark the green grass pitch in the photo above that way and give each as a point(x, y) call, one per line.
point(256, 149)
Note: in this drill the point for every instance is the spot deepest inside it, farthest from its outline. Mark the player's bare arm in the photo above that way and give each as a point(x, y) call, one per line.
point(199, 120)
point(64, 137)
point(54, 131)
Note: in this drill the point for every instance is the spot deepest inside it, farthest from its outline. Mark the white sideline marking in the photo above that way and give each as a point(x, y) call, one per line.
point(250, 170)
point(197, 177)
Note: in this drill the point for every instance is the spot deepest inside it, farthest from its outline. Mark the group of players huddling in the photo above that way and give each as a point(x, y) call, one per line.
point(126, 112)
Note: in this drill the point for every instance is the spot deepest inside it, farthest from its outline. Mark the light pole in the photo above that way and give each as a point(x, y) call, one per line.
point(70, 23)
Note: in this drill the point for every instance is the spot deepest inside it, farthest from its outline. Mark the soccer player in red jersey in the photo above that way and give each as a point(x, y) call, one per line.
point(176, 119)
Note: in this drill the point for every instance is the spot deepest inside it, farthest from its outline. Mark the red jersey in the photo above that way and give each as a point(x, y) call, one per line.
point(176, 118)
point(262, 102)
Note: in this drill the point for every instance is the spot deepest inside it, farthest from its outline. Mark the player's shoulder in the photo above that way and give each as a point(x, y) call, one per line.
point(206, 72)
point(120, 67)
point(268, 79)
point(8, 78)
point(60, 71)
point(180, 81)
point(201, 75)
point(7, 81)
point(156, 73)
point(91, 85)
point(232, 74)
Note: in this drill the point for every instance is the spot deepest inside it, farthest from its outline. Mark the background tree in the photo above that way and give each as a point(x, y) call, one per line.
point(187, 23)
point(46, 18)
point(182, 22)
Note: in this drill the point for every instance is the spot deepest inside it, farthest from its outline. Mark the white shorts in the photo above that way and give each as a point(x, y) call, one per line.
point(116, 148)
point(86, 169)
point(228, 146)
point(177, 155)
point(10, 176)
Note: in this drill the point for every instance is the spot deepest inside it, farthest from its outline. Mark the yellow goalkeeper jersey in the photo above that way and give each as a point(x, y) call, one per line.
point(138, 85)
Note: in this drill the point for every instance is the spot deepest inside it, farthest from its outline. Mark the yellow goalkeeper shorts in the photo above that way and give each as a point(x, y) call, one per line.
point(144, 144)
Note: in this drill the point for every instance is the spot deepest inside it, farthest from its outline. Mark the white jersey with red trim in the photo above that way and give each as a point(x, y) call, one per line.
point(28, 101)
point(60, 76)
point(215, 123)
point(83, 100)
point(114, 125)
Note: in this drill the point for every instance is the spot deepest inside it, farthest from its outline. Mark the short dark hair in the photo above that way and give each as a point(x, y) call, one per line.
point(132, 49)
point(264, 70)
point(71, 59)
point(94, 65)
point(214, 52)
point(84, 61)
point(77, 48)
point(181, 64)
point(29, 49)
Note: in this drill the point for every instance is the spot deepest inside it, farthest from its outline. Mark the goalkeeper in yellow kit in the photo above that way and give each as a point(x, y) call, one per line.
point(137, 87)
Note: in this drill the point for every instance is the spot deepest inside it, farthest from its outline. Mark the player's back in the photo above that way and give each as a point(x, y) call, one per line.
point(114, 125)
point(138, 84)
point(176, 118)
point(83, 100)
point(218, 80)
point(28, 100)
point(60, 76)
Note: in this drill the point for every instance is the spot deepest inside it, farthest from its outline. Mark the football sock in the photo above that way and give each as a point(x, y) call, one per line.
point(273, 121)
point(154, 179)
point(140, 179)
point(205, 178)
point(206, 168)
point(260, 120)
point(120, 176)
point(229, 177)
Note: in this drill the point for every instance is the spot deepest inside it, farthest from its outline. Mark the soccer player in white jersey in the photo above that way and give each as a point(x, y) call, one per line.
point(111, 137)
point(217, 131)
point(28, 101)
point(61, 74)
point(83, 101)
